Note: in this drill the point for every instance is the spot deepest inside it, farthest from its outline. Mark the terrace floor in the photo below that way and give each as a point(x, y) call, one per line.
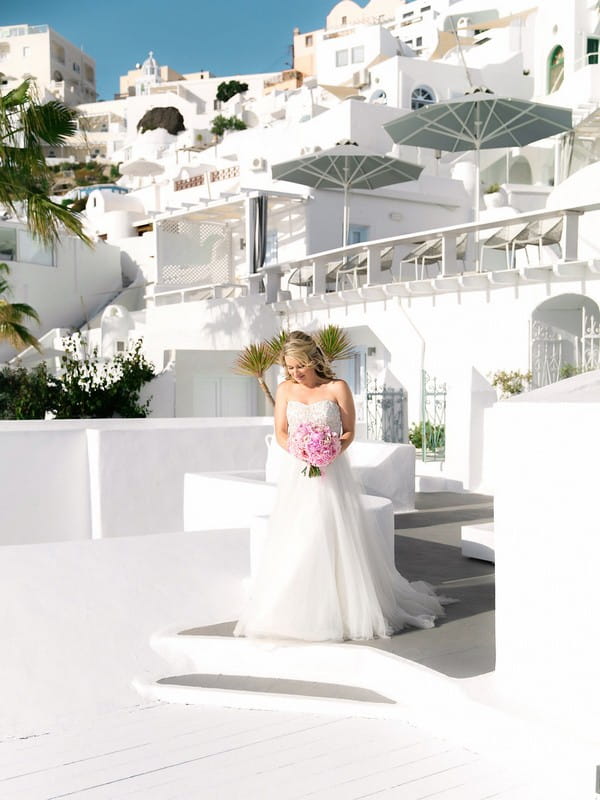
point(159, 751)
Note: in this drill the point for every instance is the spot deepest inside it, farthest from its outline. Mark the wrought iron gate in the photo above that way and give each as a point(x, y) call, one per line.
point(590, 342)
point(386, 411)
point(433, 418)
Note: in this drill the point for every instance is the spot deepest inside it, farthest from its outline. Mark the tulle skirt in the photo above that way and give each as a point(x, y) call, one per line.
point(323, 575)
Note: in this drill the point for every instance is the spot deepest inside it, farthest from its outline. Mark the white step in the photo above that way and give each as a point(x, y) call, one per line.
point(349, 672)
point(477, 541)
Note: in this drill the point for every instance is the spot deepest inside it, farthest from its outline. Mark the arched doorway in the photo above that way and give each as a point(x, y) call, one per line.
point(565, 338)
point(556, 69)
point(520, 171)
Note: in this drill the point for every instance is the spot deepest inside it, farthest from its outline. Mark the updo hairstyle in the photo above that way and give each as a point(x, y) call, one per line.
point(306, 351)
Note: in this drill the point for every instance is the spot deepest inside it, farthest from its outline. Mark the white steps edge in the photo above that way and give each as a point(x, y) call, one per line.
point(265, 701)
point(477, 541)
point(344, 664)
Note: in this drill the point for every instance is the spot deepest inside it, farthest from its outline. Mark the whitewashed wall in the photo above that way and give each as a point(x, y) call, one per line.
point(548, 551)
point(77, 618)
point(65, 480)
point(67, 295)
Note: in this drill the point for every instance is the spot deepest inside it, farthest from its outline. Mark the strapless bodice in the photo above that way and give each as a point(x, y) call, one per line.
point(321, 412)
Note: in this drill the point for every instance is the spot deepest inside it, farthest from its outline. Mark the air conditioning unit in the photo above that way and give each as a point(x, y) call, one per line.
point(258, 164)
point(360, 78)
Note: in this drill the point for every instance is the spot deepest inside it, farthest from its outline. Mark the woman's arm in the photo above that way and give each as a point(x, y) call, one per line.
point(345, 401)
point(281, 425)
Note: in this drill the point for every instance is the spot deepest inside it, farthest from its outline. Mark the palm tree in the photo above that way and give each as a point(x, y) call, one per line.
point(255, 360)
point(25, 179)
point(334, 343)
point(12, 328)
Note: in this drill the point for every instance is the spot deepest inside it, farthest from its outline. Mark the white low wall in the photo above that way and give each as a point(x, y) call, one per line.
point(64, 480)
point(77, 618)
point(547, 542)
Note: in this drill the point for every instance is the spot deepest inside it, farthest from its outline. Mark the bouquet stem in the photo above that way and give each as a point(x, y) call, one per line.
point(313, 472)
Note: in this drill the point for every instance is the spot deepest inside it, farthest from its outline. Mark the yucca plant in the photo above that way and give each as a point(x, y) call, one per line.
point(334, 342)
point(255, 360)
point(13, 316)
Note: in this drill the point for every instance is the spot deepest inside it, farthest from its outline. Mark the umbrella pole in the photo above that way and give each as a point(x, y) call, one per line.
point(477, 201)
point(346, 222)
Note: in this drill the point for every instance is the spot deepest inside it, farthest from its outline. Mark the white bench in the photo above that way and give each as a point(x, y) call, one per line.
point(383, 469)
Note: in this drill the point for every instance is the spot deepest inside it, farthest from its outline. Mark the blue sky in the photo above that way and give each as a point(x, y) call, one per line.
point(188, 35)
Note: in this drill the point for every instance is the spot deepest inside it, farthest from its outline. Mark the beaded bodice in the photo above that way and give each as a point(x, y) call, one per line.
point(322, 412)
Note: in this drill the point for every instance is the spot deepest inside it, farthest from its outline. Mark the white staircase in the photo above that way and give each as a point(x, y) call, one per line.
point(209, 666)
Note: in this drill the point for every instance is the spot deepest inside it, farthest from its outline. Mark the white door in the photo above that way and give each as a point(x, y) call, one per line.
point(224, 396)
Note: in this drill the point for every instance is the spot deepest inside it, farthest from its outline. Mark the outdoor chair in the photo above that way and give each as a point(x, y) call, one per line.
point(430, 252)
point(519, 236)
point(349, 273)
point(303, 276)
point(542, 233)
point(508, 238)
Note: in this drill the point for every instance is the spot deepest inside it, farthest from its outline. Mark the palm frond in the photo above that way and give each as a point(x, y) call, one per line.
point(276, 344)
point(254, 360)
point(21, 310)
point(18, 335)
point(334, 342)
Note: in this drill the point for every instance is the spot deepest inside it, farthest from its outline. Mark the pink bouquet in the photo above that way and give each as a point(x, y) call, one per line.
point(318, 445)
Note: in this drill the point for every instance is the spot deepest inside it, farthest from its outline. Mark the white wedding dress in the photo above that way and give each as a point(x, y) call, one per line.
point(323, 575)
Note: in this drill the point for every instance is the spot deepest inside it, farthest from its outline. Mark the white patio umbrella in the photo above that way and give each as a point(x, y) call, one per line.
point(346, 166)
point(140, 168)
point(479, 120)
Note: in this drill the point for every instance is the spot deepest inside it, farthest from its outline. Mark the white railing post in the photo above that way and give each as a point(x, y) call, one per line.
point(374, 274)
point(254, 282)
point(319, 279)
point(571, 235)
point(448, 254)
point(273, 283)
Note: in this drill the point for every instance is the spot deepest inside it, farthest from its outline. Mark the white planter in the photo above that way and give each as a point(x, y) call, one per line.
point(494, 199)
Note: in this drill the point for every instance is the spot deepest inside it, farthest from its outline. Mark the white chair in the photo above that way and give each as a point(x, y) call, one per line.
point(431, 252)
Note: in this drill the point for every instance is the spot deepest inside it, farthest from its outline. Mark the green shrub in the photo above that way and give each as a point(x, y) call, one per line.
point(435, 435)
point(26, 394)
point(510, 383)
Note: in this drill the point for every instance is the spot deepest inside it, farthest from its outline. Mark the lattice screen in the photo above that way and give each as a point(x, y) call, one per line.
point(193, 253)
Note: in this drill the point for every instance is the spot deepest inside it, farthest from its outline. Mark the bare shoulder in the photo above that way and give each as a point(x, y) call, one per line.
point(340, 389)
point(283, 391)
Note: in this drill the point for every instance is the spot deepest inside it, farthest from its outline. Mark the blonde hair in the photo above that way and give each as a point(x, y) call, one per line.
point(304, 349)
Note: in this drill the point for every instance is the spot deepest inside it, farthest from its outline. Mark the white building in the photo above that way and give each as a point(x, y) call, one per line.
point(61, 70)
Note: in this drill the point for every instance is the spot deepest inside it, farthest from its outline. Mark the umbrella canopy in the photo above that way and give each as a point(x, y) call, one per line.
point(346, 167)
point(140, 168)
point(479, 121)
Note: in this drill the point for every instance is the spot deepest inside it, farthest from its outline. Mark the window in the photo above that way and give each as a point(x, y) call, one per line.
point(26, 51)
point(419, 41)
point(8, 244)
point(556, 69)
point(308, 41)
point(408, 14)
point(358, 233)
point(421, 96)
point(592, 51)
point(271, 250)
point(344, 20)
point(425, 8)
point(358, 54)
point(32, 251)
point(341, 58)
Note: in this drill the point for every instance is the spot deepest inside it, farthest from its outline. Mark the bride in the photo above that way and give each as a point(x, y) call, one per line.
point(323, 574)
